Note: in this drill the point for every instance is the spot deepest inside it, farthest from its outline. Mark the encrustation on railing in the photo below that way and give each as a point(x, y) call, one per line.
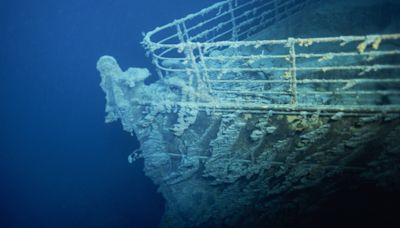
point(214, 53)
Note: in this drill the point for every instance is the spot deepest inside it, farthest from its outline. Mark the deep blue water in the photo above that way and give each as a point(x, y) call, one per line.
point(60, 165)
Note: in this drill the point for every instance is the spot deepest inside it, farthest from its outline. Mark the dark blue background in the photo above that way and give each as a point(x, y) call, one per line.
point(60, 165)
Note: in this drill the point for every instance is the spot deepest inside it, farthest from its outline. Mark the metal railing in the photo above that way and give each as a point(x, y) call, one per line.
point(213, 53)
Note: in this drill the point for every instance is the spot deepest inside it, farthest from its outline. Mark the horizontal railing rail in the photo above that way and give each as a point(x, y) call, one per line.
point(211, 52)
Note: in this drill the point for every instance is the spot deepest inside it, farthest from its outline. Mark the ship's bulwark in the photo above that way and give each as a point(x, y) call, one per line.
point(265, 169)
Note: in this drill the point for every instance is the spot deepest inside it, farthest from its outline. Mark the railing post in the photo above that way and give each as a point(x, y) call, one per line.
point(201, 78)
point(180, 34)
point(188, 59)
point(159, 72)
point(185, 32)
point(205, 78)
point(293, 71)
